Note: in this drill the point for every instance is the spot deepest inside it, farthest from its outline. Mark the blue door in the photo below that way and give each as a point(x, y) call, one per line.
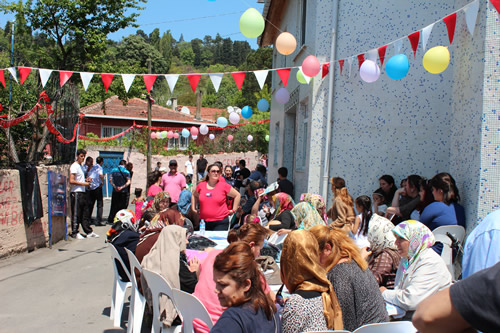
point(111, 161)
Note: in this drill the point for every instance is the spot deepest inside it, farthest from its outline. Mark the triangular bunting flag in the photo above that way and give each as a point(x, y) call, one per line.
point(350, 60)
point(106, 80)
point(149, 80)
point(496, 4)
point(426, 32)
point(216, 79)
point(2, 78)
point(86, 78)
point(172, 80)
point(23, 73)
point(397, 46)
point(284, 74)
point(361, 59)
point(127, 81)
point(372, 55)
point(64, 77)
point(193, 80)
point(261, 77)
point(381, 54)
point(12, 71)
point(239, 77)
point(414, 38)
point(44, 75)
point(325, 70)
point(341, 64)
point(471, 11)
point(451, 21)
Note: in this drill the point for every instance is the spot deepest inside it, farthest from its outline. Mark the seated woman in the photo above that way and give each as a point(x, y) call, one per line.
point(238, 283)
point(254, 235)
point(282, 217)
point(313, 305)
point(404, 205)
point(421, 273)
point(383, 257)
point(305, 216)
point(317, 202)
point(165, 215)
point(342, 211)
point(387, 186)
point(356, 288)
point(184, 205)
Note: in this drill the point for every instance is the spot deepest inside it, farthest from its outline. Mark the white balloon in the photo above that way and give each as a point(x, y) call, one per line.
point(230, 109)
point(204, 129)
point(211, 136)
point(234, 118)
point(250, 138)
point(195, 137)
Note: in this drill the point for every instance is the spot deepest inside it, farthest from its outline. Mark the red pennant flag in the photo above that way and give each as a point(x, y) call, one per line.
point(64, 77)
point(106, 80)
point(193, 80)
point(23, 73)
point(451, 21)
point(284, 74)
point(361, 59)
point(381, 54)
point(341, 64)
point(2, 78)
point(239, 77)
point(326, 70)
point(149, 80)
point(496, 4)
point(414, 38)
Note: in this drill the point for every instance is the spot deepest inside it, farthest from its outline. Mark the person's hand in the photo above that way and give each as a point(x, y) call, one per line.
point(193, 265)
point(283, 231)
point(259, 191)
point(382, 289)
point(391, 211)
point(365, 252)
point(265, 208)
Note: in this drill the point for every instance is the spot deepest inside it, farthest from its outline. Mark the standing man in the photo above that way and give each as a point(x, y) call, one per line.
point(158, 166)
point(201, 167)
point(285, 185)
point(173, 182)
point(95, 194)
point(189, 167)
point(78, 198)
point(120, 180)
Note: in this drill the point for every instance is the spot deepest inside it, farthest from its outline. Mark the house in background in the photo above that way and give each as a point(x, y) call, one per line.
point(112, 117)
point(422, 124)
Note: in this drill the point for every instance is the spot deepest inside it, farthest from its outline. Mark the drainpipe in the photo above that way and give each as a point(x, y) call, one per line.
point(329, 110)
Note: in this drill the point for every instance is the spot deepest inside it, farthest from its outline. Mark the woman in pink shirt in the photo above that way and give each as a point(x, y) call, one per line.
point(154, 181)
point(212, 194)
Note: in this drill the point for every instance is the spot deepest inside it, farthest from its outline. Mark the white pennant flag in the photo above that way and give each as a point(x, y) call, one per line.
point(261, 77)
point(349, 63)
point(397, 46)
point(172, 80)
point(86, 77)
point(471, 11)
point(216, 80)
point(12, 71)
point(44, 75)
point(307, 78)
point(127, 81)
point(372, 55)
point(426, 32)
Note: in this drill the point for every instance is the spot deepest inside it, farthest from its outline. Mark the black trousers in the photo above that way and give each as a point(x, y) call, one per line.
point(96, 195)
point(80, 212)
point(119, 201)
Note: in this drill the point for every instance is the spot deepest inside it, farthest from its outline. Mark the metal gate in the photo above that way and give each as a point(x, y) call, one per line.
point(111, 160)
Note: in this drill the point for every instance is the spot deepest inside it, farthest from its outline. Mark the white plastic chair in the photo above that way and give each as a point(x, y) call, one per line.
point(390, 327)
point(137, 301)
point(119, 287)
point(440, 234)
point(191, 308)
point(159, 286)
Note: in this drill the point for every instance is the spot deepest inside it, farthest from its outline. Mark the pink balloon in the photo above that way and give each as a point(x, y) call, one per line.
point(194, 131)
point(230, 137)
point(153, 135)
point(311, 66)
point(176, 135)
point(170, 134)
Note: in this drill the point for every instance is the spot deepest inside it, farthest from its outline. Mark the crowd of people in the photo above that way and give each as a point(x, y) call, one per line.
point(343, 264)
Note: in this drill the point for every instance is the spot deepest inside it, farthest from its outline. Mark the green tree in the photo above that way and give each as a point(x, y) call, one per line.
point(196, 47)
point(186, 53)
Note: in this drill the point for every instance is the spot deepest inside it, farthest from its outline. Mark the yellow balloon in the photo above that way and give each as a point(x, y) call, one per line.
point(286, 43)
point(436, 60)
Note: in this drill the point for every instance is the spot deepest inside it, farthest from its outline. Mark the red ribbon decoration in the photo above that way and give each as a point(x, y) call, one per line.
point(284, 74)
point(193, 80)
point(23, 73)
point(149, 80)
point(27, 115)
point(341, 64)
point(325, 70)
point(2, 78)
point(361, 59)
point(414, 38)
point(451, 21)
point(106, 80)
point(381, 54)
point(239, 77)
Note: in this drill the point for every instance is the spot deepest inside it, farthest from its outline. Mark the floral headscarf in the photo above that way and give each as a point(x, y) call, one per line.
point(317, 201)
point(306, 216)
point(419, 236)
point(282, 201)
point(158, 198)
point(380, 234)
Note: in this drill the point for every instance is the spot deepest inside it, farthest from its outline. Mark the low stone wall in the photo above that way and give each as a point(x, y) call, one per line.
point(15, 235)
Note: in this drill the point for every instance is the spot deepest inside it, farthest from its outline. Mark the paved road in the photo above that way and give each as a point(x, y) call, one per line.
point(63, 289)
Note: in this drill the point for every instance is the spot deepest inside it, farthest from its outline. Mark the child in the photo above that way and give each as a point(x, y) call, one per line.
point(360, 228)
point(251, 219)
point(189, 183)
point(138, 201)
point(379, 206)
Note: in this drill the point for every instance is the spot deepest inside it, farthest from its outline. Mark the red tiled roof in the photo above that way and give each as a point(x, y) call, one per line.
point(206, 113)
point(137, 108)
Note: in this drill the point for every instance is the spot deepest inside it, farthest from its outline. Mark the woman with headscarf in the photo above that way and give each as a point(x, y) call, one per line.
point(317, 202)
point(306, 217)
point(283, 218)
point(312, 305)
point(421, 273)
point(342, 211)
point(184, 205)
point(356, 289)
point(165, 215)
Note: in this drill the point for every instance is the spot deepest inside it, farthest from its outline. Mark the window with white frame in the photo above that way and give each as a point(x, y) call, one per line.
point(109, 131)
point(181, 143)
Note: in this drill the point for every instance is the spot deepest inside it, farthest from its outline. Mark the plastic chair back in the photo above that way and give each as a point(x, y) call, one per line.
point(137, 301)
point(119, 287)
point(191, 308)
point(440, 234)
point(390, 327)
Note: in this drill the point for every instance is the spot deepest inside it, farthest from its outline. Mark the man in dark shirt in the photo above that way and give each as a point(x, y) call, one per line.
point(240, 175)
point(120, 180)
point(284, 184)
point(201, 167)
point(259, 175)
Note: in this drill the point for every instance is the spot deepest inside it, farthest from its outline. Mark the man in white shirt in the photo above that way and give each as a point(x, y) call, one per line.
point(189, 167)
point(79, 199)
point(95, 194)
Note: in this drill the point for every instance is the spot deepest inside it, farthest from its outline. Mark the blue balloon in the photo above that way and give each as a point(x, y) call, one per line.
point(246, 112)
point(263, 105)
point(185, 133)
point(221, 122)
point(397, 67)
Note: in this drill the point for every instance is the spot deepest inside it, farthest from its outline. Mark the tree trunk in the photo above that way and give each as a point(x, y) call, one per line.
point(12, 147)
